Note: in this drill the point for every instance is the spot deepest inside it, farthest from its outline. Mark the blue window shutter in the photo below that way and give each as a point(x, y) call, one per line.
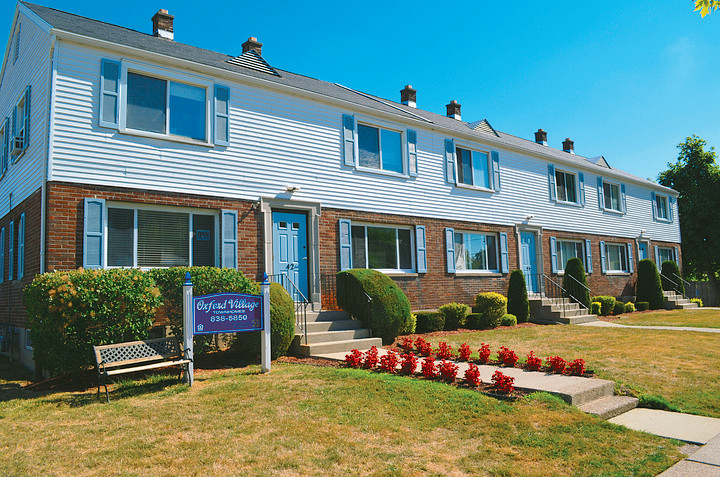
point(5, 149)
point(623, 199)
point(551, 181)
point(412, 152)
point(601, 194)
point(26, 138)
point(349, 139)
point(109, 93)
point(345, 244)
point(14, 127)
point(631, 266)
point(553, 254)
point(677, 256)
point(421, 248)
point(11, 248)
point(496, 170)
point(603, 265)
point(450, 249)
point(657, 257)
point(222, 116)
point(654, 205)
point(581, 181)
point(588, 257)
point(2, 254)
point(671, 202)
point(229, 238)
point(21, 247)
point(94, 230)
point(450, 176)
point(504, 264)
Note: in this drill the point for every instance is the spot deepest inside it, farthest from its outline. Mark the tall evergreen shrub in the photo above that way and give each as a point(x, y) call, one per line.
point(671, 271)
point(517, 297)
point(648, 286)
point(575, 283)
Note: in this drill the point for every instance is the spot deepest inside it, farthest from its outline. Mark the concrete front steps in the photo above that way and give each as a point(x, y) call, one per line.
point(675, 301)
point(563, 311)
point(332, 332)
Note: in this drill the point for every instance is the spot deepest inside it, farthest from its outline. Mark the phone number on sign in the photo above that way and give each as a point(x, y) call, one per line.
point(228, 318)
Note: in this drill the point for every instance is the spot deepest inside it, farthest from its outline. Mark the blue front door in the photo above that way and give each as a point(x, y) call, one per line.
point(290, 255)
point(528, 260)
point(642, 251)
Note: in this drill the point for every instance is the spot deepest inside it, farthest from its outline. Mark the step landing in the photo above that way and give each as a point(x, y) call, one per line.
point(611, 406)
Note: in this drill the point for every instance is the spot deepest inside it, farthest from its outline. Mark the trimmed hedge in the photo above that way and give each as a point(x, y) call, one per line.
point(429, 321)
point(642, 305)
point(648, 286)
point(595, 307)
point(282, 327)
point(68, 312)
point(478, 321)
point(672, 272)
point(388, 315)
point(619, 308)
point(517, 297)
point(205, 280)
point(454, 314)
point(575, 282)
point(629, 307)
point(493, 306)
point(508, 319)
point(607, 304)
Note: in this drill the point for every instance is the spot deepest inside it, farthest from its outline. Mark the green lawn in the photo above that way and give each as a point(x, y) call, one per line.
point(681, 366)
point(303, 420)
point(701, 318)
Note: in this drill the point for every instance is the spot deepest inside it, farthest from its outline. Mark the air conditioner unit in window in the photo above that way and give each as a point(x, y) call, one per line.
point(18, 144)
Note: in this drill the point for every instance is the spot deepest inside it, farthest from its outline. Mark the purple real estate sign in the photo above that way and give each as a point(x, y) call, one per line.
point(227, 313)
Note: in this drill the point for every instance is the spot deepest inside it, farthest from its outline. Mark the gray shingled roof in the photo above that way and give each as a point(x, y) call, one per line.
point(79, 25)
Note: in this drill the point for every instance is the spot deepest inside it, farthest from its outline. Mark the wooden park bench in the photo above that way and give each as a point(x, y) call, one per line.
point(120, 358)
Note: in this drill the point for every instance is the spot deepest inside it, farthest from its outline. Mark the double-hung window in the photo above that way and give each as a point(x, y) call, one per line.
point(473, 167)
point(662, 207)
point(665, 254)
point(383, 247)
point(476, 251)
point(565, 186)
point(567, 249)
point(616, 258)
point(380, 148)
point(611, 194)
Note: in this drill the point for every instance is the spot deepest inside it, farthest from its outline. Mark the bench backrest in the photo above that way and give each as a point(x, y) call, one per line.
point(134, 352)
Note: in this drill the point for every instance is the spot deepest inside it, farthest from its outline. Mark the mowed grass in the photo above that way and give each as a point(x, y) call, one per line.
point(701, 318)
point(681, 366)
point(303, 420)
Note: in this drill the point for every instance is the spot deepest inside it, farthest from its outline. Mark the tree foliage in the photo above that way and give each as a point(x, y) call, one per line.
point(696, 176)
point(706, 6)
point(576, 283)
point(518, 303)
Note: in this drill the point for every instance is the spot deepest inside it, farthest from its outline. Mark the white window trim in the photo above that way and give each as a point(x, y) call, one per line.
point(167, 75)
point(619, 187)
point(157, 208)
point(577, 188)
point(608, 271)
point(19, 125)
point(473, 148)
point(390, 271)
point(666, 199)
point(379, 124)
point(488, 272)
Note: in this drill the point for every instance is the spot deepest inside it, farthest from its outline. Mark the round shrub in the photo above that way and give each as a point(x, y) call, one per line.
point(619, 308)
point(69, 312)
point(669, 278)
point(629, 307)
point(575, 283)
point(642, 306)
point(454, 314)
point(493, 306)
point(429, 321)
point(205, 280)
point(648, 286)
point(387, 315)
point(595, 307)
point(476, 321)
point(282, 327)
point(517, 297)
point(698, 301)
point(508, 319)
point(607, 304)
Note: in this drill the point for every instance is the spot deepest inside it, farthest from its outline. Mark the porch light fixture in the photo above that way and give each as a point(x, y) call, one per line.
point(292, 188)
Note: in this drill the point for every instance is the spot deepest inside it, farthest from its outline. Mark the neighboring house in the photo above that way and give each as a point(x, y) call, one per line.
point(126, 149)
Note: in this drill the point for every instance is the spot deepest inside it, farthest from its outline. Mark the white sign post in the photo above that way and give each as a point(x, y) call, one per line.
point(188, 326)
point(265, 336)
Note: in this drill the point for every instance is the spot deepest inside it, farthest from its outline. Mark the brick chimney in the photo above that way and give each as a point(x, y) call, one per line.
point(568, 146)
point(541, 137)
point(453, 110)
point(163, 24)
point(408, 96)
point(252, 43)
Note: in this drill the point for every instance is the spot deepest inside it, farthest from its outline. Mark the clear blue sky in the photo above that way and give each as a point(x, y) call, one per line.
point(626, 80)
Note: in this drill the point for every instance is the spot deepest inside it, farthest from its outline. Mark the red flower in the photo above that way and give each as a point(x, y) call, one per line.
point(484, 353)
point(464, 352)
point(577, 367)
point(419, 342)
point(425, 349)
point(557, 364)
point(408, 363)
point(472, 375)
point(389, 362)
point(533, 363)
point(353, 359)
point(507, 356)
point(448, 371)
point(371, 358)
point(407, 343)
point(444, 351)
point(429, 369)
point(503, 383)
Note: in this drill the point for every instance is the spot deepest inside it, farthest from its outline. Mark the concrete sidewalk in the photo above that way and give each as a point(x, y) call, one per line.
point(607, 324)
point(705, 462)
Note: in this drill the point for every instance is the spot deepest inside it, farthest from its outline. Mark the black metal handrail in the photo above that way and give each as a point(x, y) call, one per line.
point(365, 299)
point(579, 282)
point(299, 299)
point(559, 296)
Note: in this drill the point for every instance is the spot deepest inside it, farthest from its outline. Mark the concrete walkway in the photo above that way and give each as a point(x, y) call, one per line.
point(705, 462)
point(607, 324)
